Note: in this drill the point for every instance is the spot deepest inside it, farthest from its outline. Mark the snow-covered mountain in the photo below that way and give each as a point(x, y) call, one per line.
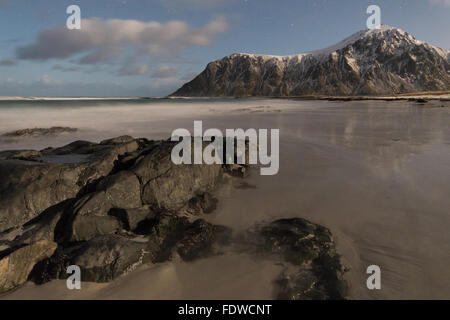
point(371, 62)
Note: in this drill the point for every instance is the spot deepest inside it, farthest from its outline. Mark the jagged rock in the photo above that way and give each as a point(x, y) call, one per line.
point(90, 213)
point(15, 266)
point(105, 257)
point(313, 269)
point(132, 218)
point(128, 204)
point(381, 61)
point(236, 170)
point(87, 227)
point(164, 233)
point(27, 155)
point(118, 140)
point(167, 186)
point(201, 204)
point(28, 188)
point(123, 190)
point(24, 246)
point(76, 147)
point(100, 259)
point(201, 239)
point(40, 228)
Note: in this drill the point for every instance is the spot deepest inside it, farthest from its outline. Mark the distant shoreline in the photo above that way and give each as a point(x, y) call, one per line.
point(73, 98)
point(427, 95)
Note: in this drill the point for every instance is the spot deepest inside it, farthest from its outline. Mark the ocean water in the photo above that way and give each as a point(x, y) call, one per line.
point(100, 119)
point(375, 173)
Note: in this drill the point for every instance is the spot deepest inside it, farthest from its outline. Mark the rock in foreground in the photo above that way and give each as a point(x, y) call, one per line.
point(124, 203)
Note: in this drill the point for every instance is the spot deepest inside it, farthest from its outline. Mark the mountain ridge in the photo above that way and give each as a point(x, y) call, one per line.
point(382, 61)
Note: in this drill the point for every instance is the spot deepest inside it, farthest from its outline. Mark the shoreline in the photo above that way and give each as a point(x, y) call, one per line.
point(340, 165)
point(425, 95)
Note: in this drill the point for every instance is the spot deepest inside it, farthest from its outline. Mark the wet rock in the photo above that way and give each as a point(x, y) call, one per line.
point(313, 268)
point(24, 246)
point(28, 188)
point(87, 227)
point(123, 190)
point(201, 204)
point(202, 239)
point(118, 140)
point(76, 147)
point(100, 259)
point(167, 186)
point(15, 266)
point(40, 131)
point(106, 257)
point(39, 228)
point(129, 204)
point(236, 170)
point(91, 213)
point(132, 218)
point(27, 155)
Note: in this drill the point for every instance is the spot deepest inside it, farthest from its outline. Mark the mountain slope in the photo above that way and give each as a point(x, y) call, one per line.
point(371, 62)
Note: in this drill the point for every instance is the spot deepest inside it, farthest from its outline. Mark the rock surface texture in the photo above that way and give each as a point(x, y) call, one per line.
point(381, 61)
point(125, 204)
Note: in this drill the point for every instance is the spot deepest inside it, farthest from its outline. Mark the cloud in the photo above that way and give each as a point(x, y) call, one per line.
point(8, 62)
point(131, 70)
point(442, 2)
point(46, 86)
point(195, 4)
point(59, 67)
point(100, 41)
point(165, 72)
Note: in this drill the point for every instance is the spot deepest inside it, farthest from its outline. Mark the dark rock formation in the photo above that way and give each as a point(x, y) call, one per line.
point(377, 62)
point(312, 266)
point(39, 131)
point(30, 187)
point(125, 188)
point(128, 204)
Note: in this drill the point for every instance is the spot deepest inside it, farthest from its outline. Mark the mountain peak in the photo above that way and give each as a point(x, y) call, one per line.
point(385, 32)
point(379, 61)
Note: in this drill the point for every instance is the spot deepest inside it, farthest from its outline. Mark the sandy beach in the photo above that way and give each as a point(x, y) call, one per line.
point(374, 172)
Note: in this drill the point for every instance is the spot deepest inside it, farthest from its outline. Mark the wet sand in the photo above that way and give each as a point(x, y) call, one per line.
point(376, 173)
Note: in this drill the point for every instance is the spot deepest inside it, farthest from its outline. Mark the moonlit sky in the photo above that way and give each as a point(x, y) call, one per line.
point(151, 47)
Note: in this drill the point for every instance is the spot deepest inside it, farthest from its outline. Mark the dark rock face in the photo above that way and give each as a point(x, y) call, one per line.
point(381, 62)
point(166, 186)
point(131, 219)
point(93, 210)
point(127, 204)
point(15, 266)
point(314, 270)
point(101, 259)
point(30, 187)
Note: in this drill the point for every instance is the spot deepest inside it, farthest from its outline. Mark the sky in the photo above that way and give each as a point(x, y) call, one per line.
point(149, 48)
